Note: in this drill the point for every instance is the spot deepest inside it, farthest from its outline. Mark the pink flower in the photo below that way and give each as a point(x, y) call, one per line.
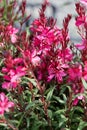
point(84, 2)
point(32, 57)
point(13, 38)
point(76, 100)
point(45, 38)
point(80, 46)
point(18, 61)
point(56, 71)
point(14, 77)
point(65, 55)
point(42, 71)
point(11, 29)
point(5, 104)
point(80, 20)
point(12, 32)
point(6, 85)
point(75, 72)
point(85, 71)
point(78, 88)
point(13, 72)
point(1, 44)
point(35, 59)
point(45, 33)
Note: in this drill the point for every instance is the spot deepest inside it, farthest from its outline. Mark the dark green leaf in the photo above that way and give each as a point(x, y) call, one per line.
point(50, 93)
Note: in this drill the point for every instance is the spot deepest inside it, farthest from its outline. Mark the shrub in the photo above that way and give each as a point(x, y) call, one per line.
point(43, 74)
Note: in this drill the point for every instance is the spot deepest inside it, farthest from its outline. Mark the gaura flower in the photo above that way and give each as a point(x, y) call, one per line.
point(84, 2)
point(85, 71)
point(80, 20)
point(12, 32)
point(14, 77)
point(56, 70)
point(5, 104)
point(75, 72)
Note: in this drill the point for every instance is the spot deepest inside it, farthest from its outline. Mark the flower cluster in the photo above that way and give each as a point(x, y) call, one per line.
point(13, 72)
point(40, 58)
point(5, 104)
point(54, 52)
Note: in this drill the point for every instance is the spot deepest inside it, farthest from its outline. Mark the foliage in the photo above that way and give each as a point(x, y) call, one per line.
point(43, 75)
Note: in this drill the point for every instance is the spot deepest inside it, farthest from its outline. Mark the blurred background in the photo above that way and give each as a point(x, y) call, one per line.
point(58, 9)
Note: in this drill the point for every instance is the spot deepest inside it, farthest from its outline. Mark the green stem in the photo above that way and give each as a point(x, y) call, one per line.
point(20, 120)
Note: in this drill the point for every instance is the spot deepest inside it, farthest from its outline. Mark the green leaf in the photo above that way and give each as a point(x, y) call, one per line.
point(59, 100)
point(64, 97)
point(65, 129)
point(84, 83)
point(28, 122)
point(50, 113)
point(30, 105)
point(26, 80)
point(50, 93)
point(1, 62)
point(78, 108)
point(36, 126)
point(62, 120)
point(64, 88)
point(20, 120)
point(82, 124)
point(1, 74)
point(32, 81)
point(3, 124)
point(60, 111)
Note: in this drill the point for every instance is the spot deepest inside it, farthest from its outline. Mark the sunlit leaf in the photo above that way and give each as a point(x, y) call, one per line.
point(84, 83)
